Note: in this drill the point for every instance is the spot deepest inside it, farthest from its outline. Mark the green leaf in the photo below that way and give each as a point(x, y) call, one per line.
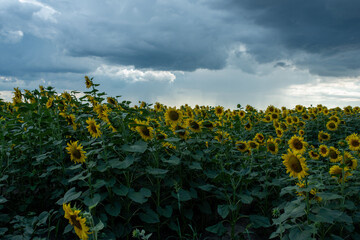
point(156, 171)
point(223, 210)
point(98, 227)
point(325, 215)
point(328, 196)
point(259, 221)
point(69, 196)
point(207, 187)
point(99, 183)
point(218, 229)
point(195, 166)
point(79, 177)
point(138, 147)
point(121, 191)
point(166, 212)
point(3, 200)
point(141, 196)
point(113, 208)
point(182, 195)
point(172, 161)
point(247, 199)
point(92, 202)
point(149, 216)
point(297, 234)
point(128, 161)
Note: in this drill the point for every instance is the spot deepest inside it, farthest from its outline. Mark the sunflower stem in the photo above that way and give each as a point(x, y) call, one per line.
point(307, 201)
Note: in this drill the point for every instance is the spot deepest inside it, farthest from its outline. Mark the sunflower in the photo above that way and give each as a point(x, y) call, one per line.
point(242, 114)
point(160, 135)
point(312, 193)
point(301, 132)
point(272, 146)
point(350, 161)
point(279, 132)
point(299, 108)
point(49, 103)
point(305, 116)
point(70, 118)
point(248, 126)
point(323, 136)
point(242, 146)
point(295, 119)
point(93, 128)
point(253, 144)
point(323, 150)
point(313, 155)
point(194, 125)
point(295, 164)
point(207, 124)
point(180, 131)
point(146, 132)
point(168, 145)
point(158, 107)
point(219, 111)
point(77, 154)
point(173, 116)
point(259, 137)
point(297, 144)
point(111, 101)
point(267, 118)
point(77, 221)
point(222, 136)
point(88, 82)
point(334, 155)
point(354, 142)
point(289, 120)
point(337, 171)
point(335, 119)
point(331, 125)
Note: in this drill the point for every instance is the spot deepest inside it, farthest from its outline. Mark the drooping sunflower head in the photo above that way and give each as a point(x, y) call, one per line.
point(314, 155)
point(323, 136)
point(248, 126)
point(207, 124)
point(77, 221)
point(331, 125)
point(222, 136)
point(279, 132)
point(161, 135)
point(295, 164)
point(337, 172)
point(354, 142)
point(297, 144)
point(253, 144)
point(77, 154)
point(323, 150)
point(259, 137)
point(350, 160)
point(93, 128)
point(181, 131)
point(146, 132)
point(111, 101)
point(241, 146)
point(272, 146)
point(334, 155)
point(173, 116)
point(194, 125)
point(88, 82)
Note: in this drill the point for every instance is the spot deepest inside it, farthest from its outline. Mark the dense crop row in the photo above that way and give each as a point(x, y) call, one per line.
point(101, 169)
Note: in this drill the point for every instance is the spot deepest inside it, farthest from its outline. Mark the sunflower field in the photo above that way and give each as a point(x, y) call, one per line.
point(86, 166)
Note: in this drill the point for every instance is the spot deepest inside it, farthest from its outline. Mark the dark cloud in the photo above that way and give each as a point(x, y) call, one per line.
point(319, 35)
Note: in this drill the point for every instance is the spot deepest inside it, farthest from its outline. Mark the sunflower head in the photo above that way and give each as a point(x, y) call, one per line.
point(194, 125)
point(334, 155)
point(354, 142)
point(337, 172)
point(77, 154)
point(272, 146)
point(93, 128)
point(173, 116)
point(241, 146)
point(88, 82)
point(219, 111)
point(253, 144)
point(350, 160)
point(314, 155)
point(297, 144)
point(323, 150)
point(323, 136)
point(295, 164)
point(77, 221)
point(331, 125)
point(146, 132)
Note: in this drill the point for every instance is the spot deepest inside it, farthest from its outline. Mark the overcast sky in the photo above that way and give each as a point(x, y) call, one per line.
point(206, 52)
